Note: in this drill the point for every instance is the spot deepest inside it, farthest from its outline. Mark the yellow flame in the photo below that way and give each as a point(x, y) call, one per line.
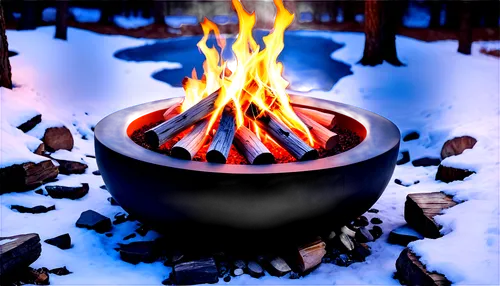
point(256, 76)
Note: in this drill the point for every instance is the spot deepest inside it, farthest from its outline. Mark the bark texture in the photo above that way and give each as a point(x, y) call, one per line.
point(465, 32)
point(5, 69)
point(62, 20)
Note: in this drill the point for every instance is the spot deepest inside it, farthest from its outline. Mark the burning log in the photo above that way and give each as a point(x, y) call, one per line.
point(252, 148)
point(326, 138)
point(160, 134)
point(188, 146)
point(172, 111)
point(326, 119)
point(223, 138)
point(282, 134)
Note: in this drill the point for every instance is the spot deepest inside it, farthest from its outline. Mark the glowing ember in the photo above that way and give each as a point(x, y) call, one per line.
point(255, 76)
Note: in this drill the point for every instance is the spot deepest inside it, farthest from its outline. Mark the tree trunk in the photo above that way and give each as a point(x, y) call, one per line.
point(435, 11)
point(106, 13)
point(452, 14)
point(333, 7)
point(159, 12)
point(5, 72)
point(348, 13)
point(381, 21)
point(465, 32)
point(62, 20)
point(28, 15)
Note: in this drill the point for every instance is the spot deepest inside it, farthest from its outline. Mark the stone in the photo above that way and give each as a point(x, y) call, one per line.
point(254, 269)
point(96, 173)
point(413, 135)
point(403, 158)
point(421, 208)
point(238, 272)
point(376, 232)
point(18, 252)
point(196, 272)
point(62, 241)
point(33, 210)
point(67, 167)
point(361, 221)
point(26, 176)
point(61, 271)
point(375, 211)
point(239, 264)
point(120, 218)
point(63, 192)
point(95, 221)
point(31, 123)
point(403, 235)
point(109, 234)
point(142, 230)
point(348, 231)
point(426, 162)
point(132, 235)
point(449, 174)
point(346, 242)
point(376, 220)
point(58, 138)
point(294, 275)
point(277, 266)
point(227, 279)
point(399, 182)
point(112, 201)
point(139, 251)
point(342, 260)
point(360, 252)
point(413, 272)
point(457, 146)
point(363, 235)
point(104, 188)
point(34, 276)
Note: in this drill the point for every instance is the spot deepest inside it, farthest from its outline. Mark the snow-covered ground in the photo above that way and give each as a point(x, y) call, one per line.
point(439, 93)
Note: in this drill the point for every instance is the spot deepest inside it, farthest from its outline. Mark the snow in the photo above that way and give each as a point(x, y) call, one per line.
point(5, 241)
point(67, 155)
point(39, 130)
point(439, 93)
point(85, 15)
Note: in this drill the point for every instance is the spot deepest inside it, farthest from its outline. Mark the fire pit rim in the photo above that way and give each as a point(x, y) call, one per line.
point(381, 136)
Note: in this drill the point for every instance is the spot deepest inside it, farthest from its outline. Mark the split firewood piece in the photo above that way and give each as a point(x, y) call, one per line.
point(413, 272)
point(282, 134)
point(326, 138)
point(457, 146)
point(18, 252)
point(189, 145)
point(449, 174)
point(325, 119)
point(196, 272)
point(27, 176)
point(252, 148)
point(223, 138)
point(31, 123)
point(160, 134)
point(420, 210)
point(310, 255)
point(277, 266)
point(173, 110)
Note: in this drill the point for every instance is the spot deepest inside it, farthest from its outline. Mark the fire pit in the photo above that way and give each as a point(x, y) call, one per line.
point(242, 108)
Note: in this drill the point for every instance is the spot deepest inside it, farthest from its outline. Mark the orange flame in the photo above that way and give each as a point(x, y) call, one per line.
point(256, 77)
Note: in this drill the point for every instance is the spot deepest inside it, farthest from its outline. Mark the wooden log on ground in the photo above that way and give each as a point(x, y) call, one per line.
point(252, 148)
point(282, 134)
point(413, 272)
point(277, 266)
point(457, 146)
point(160, 134)
point(18, 252)
point(173, 110)
point(27, 176)
point(196, 272)
point(325, 119)
point(31, 123)
point(421, 208)
point(223, 138)
point(188, 146)
point(310, 255)
point(324, 137)
point(449, 174)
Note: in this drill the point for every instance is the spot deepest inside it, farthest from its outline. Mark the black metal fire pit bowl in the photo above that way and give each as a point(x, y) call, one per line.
point(205, 203)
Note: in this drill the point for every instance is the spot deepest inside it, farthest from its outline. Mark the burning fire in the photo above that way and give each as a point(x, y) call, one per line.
point(256, 77)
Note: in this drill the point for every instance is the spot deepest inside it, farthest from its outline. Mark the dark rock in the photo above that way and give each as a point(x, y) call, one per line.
point(239, 264)
point(33, 210)
point(238, 272)
point(142, 230)
point(93, 220)
point(97, 173)
point(404, 235)
point(67, 167)
point(376, 220)
point(457, 146)
point(61, 271)
point(342, 260)
point(58, 138)
point(104, 188)
point(414, 135)
point(254, 269)
point(363, 235)
point(167, 281)
point(109, 234)
point(361, 221)
point(196, 272)
point(376, 232)
point(34, 276)
point(62, 241)
point(26, 176)
point(375, 211)
point(18, 252)
point(294, 275)
point(227, 278)
point(450, 174)
point(360, 252)
point(40, 192)
point(132, 235)
point(399, 182)
point(277, 266)
point(120, 218)
point(426, 162)
point(63, 192)
point(112, 201)
point(90, 156)
point(31, 123)
point(420, 210)
point(403, 158)
point(140, 251)
point(413, 272)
